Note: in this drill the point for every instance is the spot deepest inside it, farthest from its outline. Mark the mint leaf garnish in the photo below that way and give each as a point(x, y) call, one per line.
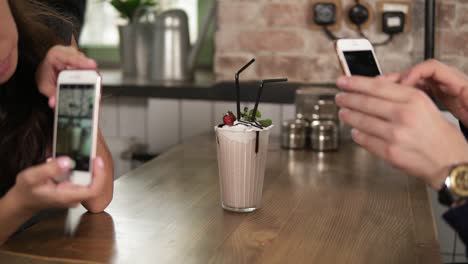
point(257, 115)
point(266, 122)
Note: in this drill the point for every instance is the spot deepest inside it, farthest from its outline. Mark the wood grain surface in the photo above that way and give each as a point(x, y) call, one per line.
point(343, 207)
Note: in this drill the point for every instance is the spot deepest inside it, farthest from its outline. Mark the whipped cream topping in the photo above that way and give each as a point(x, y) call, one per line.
point(243, 126)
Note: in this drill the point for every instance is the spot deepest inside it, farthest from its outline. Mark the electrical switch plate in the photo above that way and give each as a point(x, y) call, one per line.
point(319, 11)
point(393, 22)
point(324, 14)
point(396, 6)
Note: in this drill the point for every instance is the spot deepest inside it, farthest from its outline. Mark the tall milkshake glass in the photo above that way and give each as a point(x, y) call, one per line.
point(242, 153)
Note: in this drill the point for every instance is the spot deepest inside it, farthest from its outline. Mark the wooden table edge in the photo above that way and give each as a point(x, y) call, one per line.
point(27, 258)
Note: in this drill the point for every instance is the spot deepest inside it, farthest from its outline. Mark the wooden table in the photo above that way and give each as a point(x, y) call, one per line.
point(344, 207)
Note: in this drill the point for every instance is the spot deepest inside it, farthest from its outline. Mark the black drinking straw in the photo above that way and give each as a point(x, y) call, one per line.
point(259, 94)
point(238, 86)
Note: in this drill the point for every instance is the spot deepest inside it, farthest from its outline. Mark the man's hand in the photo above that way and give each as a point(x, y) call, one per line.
point(446, 84)
point(401, 125)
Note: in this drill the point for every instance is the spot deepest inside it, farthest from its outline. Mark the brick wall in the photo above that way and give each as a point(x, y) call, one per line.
point(276, 33)
point(452, 33)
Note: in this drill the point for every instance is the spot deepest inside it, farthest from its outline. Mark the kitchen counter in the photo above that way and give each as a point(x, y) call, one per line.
point(342, 207)
point(204, 87)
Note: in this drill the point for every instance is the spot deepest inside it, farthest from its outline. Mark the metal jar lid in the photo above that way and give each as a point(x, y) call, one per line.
point(295, 125)
point(325, 108)
point(324, 126)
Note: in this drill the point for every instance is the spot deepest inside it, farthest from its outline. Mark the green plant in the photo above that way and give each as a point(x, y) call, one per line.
point(127, 8)
point(247, 116)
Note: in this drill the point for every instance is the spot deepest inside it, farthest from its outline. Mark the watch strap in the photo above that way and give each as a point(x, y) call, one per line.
point(445, 196)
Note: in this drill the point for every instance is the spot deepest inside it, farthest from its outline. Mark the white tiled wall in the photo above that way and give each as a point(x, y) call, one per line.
point(108, 118)
point(162, 123)
point(288, 112)
point(132, 114)
point(123, 124)
point(196, 118)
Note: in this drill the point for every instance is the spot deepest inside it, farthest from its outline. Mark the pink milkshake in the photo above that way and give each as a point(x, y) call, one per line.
point(242, 152)
point(242, 146)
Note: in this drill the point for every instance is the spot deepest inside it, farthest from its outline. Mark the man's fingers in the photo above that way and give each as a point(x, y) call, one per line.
point(367, 124)
point(390, 152)
point(366, 104)
point(392, 77)
point(376, 87)
point(372, 144)
point(452, 80)
point(41, 173)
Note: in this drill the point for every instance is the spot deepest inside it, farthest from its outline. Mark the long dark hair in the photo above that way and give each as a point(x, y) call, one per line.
point(26, 121)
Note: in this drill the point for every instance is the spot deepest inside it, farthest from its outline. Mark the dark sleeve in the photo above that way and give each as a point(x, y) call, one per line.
point(464, 130)
point(457, 218)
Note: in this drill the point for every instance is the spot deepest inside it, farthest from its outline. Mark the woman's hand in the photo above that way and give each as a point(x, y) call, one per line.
point(446, 84)
point(402, 125)
point(59, 58)
point(35, 188)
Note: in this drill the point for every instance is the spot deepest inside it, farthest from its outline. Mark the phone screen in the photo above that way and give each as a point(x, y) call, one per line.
point(362, 63)
point(75, 123)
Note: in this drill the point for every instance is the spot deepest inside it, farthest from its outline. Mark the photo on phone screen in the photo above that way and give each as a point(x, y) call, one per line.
point(75, 123)
point(361, 62)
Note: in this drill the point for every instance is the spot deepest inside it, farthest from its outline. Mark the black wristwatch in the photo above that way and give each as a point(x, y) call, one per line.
point(455, 187)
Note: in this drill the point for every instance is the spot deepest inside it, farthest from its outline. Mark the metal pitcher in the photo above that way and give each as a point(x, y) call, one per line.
point(163, 48)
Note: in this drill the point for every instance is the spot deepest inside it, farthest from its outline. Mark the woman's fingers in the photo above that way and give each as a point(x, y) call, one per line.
point(73, 193)
point(41, 173)
point(52, 102)
point(68, 193)
point(376, 87)
point(366, 104)
point(99, 176)
point(62, 57)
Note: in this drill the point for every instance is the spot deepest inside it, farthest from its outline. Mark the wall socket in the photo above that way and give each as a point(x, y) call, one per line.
point(311, 17)
point(369, 21)
point(402, 6)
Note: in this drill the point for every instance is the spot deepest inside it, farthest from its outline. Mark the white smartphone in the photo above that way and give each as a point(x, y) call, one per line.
point(357, 57)
point(76, 122)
